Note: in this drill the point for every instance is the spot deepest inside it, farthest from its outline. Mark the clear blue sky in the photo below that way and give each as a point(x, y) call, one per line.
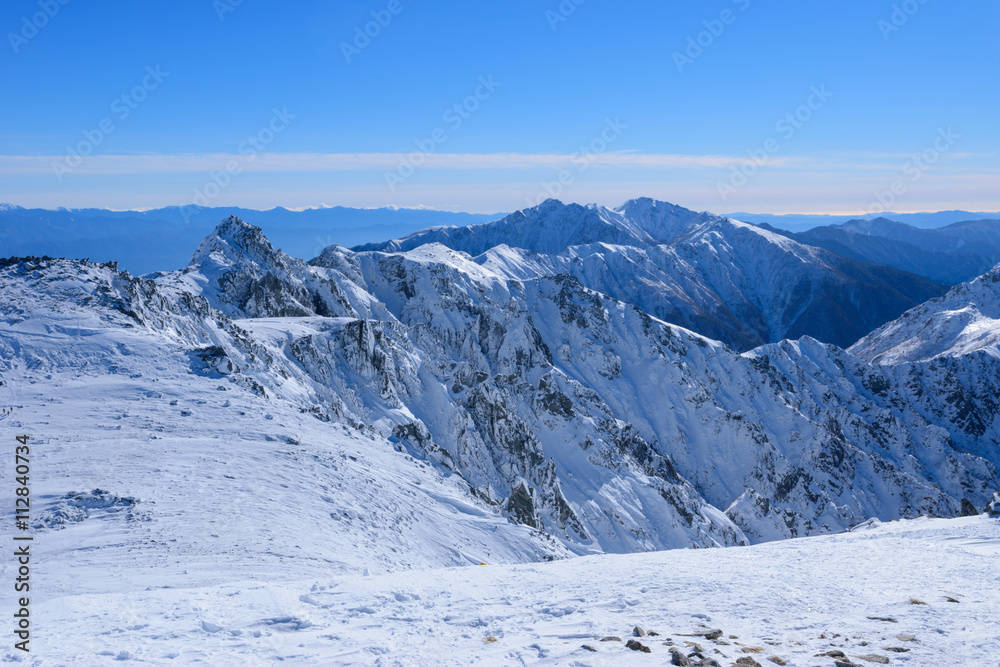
point(673, 128)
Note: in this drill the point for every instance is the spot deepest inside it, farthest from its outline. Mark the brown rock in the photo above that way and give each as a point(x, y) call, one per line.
point(679, 659)
point(636, 646)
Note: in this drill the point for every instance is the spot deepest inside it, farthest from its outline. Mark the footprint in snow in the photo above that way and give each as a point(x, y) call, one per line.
point(286, 623)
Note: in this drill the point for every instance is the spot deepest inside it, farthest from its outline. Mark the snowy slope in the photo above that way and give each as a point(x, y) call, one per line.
point(725, 279)
point(219, 459)
point(915, 592)
point(965, 320)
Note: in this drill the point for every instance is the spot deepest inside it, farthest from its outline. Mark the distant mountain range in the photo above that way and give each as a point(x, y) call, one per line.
point(161, 239)
point(952, 254)
point(796, 222)
point(965, 245)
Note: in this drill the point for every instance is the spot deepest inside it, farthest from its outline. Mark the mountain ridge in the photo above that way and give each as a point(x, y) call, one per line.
point(428, 289)
point(949, 255)
point(559, 408)
point(728, 279)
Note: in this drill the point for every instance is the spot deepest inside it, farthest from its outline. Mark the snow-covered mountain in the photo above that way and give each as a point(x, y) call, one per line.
point(446, 361)
point(562, 408)
point(944, 356)
point(251, 420)
point(249, 458)
point(725, 279)
point(963, 321)
point(559, 407)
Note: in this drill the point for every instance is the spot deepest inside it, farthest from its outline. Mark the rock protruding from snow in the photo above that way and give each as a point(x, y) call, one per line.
point(238, 270)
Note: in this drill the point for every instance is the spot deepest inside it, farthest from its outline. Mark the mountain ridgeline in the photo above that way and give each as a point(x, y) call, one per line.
point(524, 356)
point(725, 279)
point(614, 380)
point(948, 255)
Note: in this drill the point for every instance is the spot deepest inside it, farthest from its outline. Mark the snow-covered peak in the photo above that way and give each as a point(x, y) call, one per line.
point(235, 239)
point(238, 270)
point(724, 278)
point(663, 221)
point(10, 207)
point(550, 227)
point(965, 320)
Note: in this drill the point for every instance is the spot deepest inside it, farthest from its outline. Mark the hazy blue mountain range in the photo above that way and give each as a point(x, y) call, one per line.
point(161, 239)
point(949, 255)
point(796, 222)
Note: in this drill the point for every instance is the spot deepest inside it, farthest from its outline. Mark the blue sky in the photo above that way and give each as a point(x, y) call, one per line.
point(727, 105)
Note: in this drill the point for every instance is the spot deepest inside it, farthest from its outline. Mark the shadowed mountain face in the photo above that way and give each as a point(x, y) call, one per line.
point(948, 255)
point(726, 279)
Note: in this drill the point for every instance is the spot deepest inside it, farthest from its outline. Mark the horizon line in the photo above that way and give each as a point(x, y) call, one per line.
point(429, 209)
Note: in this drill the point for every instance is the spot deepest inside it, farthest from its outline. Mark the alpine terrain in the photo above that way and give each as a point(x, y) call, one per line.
point(566, 381)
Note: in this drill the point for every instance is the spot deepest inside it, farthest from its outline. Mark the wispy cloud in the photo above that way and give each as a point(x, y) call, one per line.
point(320, 162)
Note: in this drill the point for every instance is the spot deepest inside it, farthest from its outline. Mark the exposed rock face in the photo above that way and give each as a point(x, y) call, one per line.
point(968, 509)
point(242, 275)
point(993, 508)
